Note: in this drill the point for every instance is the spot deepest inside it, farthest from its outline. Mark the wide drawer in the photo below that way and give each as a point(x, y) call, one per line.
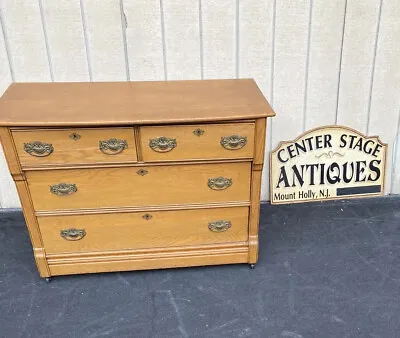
point(102, 232)
point(139, 186)
point(193, 142)
point(75, 146)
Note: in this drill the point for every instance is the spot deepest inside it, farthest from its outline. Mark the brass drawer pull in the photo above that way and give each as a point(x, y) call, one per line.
point(73, 234)
point(219, 226)
point(62, 189)
point(233, 142)
point(162, 144)
point(112, 146)
point(38, 149)
point(219, 183)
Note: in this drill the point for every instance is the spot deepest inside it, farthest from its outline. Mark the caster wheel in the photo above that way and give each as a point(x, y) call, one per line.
point(252, 266)
point(48, 279)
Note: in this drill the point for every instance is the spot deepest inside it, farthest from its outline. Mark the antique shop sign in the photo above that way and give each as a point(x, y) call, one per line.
point(330, 162)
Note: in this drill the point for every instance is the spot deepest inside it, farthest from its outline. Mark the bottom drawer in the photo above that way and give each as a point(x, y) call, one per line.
point(121, 231)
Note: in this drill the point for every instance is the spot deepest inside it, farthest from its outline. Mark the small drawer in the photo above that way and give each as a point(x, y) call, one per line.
point(197, 142)
point(139, 186)
point(75, 146)
point(123, 231)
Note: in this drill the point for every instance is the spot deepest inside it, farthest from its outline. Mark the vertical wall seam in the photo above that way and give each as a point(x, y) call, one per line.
point(340, 61)
point(271, 99)
point(307, 66)
point(85, 36)
point(163, 40)
point(124, 26)
point(46, 40)
point(201, 41)
point(237, 49)
point(7, 46)
point(371, 84)
point(395, 147)
point(398, 122)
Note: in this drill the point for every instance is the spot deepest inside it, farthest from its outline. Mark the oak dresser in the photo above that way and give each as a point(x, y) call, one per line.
point(137, 175)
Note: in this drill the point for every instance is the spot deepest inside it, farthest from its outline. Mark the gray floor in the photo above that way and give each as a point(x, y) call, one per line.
point(325, 270)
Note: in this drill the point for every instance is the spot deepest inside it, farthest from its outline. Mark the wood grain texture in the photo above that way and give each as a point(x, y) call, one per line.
point(290, 59)
point(119, 187)
point(357, 63)
point(26, 40)
point(140, 215)
point(185, 257)
point(219, 39)
point(259, 141)
point(64, 29)
point(9, 151)
point(122, 103)
point(74, 152)
point(265, 172)
point(105, 45)
point(133, 231)
point(182, 40)
point(144, 40)
point(8, 193)
point(385, 101)
point(325, 42)
point(190, 146)
point(254, 216)
point(255, 189)
point(25, 198)
point(143, 209)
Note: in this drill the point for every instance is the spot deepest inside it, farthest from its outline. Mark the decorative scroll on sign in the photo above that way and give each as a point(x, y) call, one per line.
point(330, 162)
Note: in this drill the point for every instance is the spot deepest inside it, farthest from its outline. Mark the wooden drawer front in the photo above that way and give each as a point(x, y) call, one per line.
point(139, 186)
point(102, 232)
point(212, 141)
point(75, 146)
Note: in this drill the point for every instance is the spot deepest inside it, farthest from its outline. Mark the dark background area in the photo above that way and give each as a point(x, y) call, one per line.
point(328, 269)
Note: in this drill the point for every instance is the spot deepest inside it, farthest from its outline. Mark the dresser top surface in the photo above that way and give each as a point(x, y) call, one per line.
point(125, 103)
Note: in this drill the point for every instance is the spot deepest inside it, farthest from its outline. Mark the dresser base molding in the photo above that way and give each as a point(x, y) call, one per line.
point(126, 260)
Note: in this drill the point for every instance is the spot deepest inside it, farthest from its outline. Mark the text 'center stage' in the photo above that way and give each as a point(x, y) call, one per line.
point(327, 163)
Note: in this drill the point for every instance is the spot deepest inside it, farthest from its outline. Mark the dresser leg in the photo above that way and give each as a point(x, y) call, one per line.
point(48, 279)
point(252, 266)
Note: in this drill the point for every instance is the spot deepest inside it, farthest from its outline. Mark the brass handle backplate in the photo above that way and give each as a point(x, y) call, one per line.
point(73, 234)
point(219, 226)
point(162, 144)
point(62, 189)
point(219, 183)
point(38, 149)
point(233, 142)
point(112, 146)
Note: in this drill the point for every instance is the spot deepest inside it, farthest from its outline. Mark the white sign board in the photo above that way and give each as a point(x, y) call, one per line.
point(330, 162)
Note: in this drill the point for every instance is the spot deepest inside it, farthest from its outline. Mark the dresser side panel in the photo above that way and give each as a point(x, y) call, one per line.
point(26, 202)
point(255, 189)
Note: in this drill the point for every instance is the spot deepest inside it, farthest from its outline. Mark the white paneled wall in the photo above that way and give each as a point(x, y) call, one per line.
point(317, 62)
